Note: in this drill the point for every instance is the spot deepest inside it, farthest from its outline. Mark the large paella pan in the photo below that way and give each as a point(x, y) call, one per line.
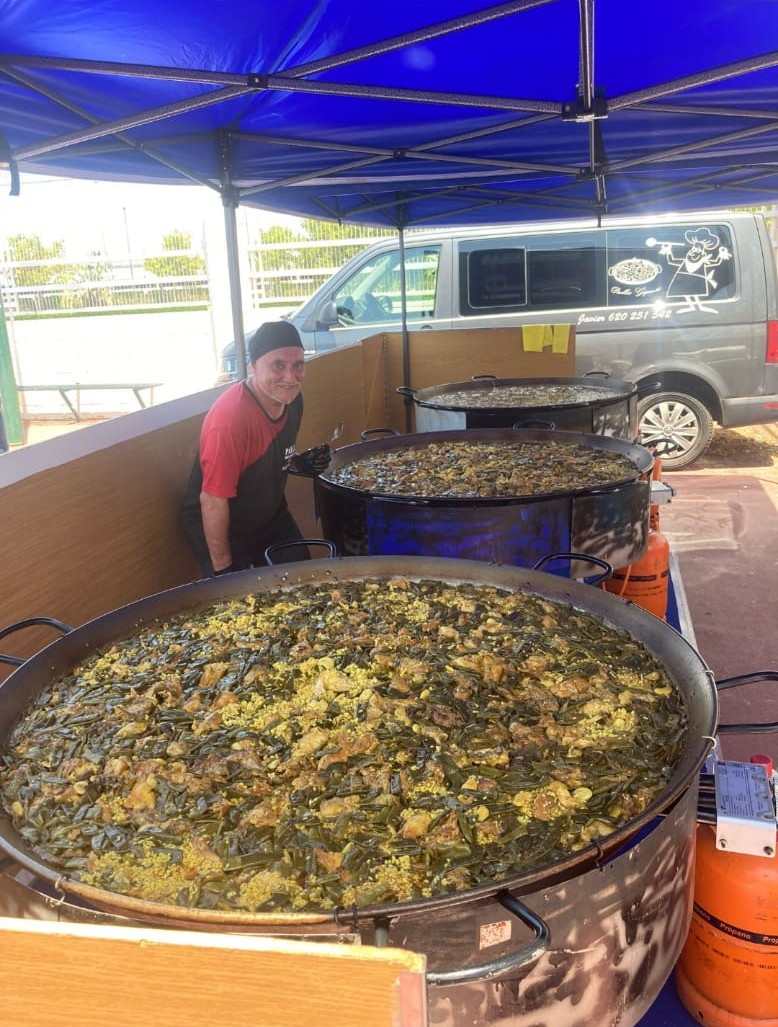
point(594, 884)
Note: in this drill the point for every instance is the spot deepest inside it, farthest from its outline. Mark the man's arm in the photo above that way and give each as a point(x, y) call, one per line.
point(216, 525)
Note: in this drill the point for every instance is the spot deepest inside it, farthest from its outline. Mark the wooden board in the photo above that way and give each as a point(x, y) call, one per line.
point(79, 975)
point(441, 357)
point(83, 536)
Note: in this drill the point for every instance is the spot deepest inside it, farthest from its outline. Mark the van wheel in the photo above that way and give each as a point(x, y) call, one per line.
point(679, 426)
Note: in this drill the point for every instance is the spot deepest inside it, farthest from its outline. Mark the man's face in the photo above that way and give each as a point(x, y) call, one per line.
point(278, 375)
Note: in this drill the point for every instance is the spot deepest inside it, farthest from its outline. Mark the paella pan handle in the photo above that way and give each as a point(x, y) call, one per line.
point(406, 390)
point(367, 432)
point(51, 622)
point(550, 425)
point(272, 550)
point(595, 579)
point(528, 953)
point(746, 679)
point(482, 377)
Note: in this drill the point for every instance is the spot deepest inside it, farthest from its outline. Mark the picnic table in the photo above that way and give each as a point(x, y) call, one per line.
point(65, 388)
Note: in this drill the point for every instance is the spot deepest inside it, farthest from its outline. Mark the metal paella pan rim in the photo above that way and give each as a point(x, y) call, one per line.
point(680, 661)
point(617, 389)
point(641, 459)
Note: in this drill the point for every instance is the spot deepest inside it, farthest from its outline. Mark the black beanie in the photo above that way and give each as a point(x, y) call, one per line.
point(273, 335)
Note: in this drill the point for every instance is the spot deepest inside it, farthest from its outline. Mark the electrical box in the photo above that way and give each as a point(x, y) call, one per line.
point(745, 808)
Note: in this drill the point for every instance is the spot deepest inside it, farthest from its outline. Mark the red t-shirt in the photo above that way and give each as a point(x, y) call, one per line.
point(236, 433)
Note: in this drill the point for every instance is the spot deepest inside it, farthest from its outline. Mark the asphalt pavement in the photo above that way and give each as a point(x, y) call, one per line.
point(722, 525)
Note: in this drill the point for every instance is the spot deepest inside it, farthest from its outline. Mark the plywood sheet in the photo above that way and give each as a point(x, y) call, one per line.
point(60, 975)
point(81, 538)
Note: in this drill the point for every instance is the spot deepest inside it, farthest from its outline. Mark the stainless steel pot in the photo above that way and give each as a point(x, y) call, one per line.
point(603, 405)
point(609, 522)
point(589, 938)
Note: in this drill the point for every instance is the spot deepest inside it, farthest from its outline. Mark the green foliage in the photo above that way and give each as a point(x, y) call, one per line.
point(23, 248)
point(91, 295)
point(177, 263)
point(30, 247)
point(327, 230)
point(292, 262)
point(290, 270)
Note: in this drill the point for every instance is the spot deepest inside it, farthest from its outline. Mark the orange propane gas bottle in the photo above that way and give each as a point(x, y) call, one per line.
point(727, 974)
point(647, 581)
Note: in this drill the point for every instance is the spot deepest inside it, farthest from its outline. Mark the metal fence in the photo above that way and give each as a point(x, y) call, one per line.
point(290, 273)
point(40, 280)
point(99, 284)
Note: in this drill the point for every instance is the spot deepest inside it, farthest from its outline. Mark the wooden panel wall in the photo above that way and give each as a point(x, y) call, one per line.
point(88, 525)
point(95, 532)
point(437, 358)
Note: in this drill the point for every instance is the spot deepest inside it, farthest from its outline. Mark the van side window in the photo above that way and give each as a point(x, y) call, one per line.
point(372, 295)
point(564, 278)
point(530, 274)
point(688, 265)
point(492, 279)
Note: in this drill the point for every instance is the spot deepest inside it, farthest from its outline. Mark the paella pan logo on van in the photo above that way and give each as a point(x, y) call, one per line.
point(634, 271)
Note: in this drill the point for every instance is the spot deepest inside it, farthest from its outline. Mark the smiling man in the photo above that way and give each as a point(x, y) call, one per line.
point(234, 505)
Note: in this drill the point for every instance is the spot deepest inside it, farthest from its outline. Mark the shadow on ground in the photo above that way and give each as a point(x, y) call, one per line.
point(755, 446)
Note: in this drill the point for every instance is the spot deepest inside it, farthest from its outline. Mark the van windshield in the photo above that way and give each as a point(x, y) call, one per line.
point(373, 293)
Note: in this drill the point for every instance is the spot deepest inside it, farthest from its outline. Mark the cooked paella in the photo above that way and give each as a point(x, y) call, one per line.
point(525, 395)
point(342, 744)
point(459, 468)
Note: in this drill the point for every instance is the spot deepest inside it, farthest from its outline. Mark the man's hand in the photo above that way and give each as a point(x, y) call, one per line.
point(312, 462)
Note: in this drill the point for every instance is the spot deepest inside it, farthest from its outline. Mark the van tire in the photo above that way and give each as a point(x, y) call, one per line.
point(672, 417)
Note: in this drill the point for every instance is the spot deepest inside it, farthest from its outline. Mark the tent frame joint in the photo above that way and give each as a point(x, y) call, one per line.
point(580, 112)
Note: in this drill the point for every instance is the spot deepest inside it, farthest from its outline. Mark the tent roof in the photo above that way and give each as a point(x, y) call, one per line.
point(402, 112)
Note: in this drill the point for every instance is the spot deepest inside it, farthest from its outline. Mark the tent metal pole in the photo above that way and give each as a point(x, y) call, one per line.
point(231, 199)
point(406, 341)
point(233, 268)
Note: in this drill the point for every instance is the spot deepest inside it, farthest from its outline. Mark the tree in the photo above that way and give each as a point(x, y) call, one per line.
point(286, 259)
point(90, 275)
point(177, 263)
point(326, 231)
point(288, 263)
point(47, 269)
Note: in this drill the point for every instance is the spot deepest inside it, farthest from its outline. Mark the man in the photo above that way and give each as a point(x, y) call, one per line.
point(234, 505)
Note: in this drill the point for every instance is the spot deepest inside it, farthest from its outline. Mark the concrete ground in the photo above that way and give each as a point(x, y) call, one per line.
point(722, 525)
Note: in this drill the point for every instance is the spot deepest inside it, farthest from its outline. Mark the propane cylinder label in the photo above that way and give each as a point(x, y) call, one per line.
point(733, 931)
point(494, 934)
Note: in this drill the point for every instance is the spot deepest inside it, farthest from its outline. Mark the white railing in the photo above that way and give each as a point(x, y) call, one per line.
point(94, 284)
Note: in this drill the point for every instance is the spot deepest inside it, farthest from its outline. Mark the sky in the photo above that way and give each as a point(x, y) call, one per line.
point(112, 217)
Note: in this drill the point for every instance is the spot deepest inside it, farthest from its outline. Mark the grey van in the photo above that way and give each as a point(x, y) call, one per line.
point(685, 306)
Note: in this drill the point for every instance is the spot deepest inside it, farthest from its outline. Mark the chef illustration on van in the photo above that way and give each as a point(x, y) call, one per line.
point(693, 280)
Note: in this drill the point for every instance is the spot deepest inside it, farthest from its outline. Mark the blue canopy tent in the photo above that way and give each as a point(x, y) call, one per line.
point(403, 113)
